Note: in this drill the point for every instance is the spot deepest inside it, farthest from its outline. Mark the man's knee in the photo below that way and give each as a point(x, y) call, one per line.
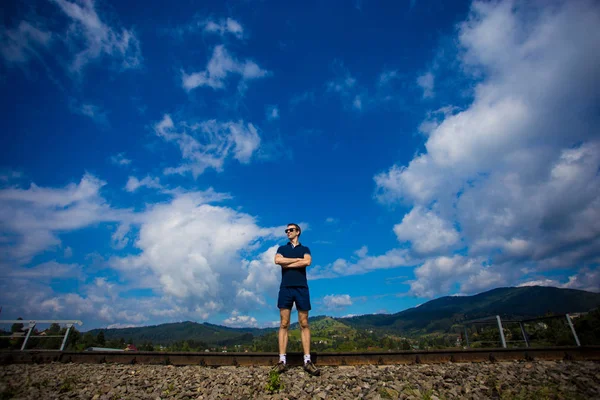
point(284, 324)
point(303, 322)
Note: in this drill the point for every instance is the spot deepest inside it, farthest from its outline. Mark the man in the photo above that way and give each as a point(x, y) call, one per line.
point(294, 258)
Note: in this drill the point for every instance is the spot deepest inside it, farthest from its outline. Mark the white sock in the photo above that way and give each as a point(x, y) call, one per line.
point(306, 358)
point(282, 358)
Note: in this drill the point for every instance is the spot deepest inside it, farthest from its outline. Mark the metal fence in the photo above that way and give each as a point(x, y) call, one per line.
point(30, 329)
point(497, 320)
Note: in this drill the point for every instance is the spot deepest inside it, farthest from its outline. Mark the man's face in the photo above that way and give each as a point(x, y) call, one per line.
point(292, 232)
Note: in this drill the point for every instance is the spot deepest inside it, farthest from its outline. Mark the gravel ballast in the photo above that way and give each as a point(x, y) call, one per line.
point(501, 380)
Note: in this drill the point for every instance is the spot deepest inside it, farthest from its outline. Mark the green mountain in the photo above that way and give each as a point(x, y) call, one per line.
point(520, 302)
point(324, 328)
point(437, 315)
point(166, 334)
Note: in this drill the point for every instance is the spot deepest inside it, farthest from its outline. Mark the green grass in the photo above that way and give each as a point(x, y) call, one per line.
point(274, 383)
point(425, 395)
point(68, 384)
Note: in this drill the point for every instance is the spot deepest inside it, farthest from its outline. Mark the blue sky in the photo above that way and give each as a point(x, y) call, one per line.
point(151, 157)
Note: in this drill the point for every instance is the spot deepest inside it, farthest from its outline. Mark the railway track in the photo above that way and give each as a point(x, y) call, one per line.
point(588, 353)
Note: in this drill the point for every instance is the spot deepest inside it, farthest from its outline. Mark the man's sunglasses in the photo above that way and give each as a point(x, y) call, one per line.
point(290, 230)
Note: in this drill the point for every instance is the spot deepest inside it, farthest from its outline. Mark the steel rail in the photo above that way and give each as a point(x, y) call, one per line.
point(590, 353)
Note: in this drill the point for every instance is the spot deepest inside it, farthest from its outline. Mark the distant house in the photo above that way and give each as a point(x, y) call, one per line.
point(102, 349)
point(131, 347)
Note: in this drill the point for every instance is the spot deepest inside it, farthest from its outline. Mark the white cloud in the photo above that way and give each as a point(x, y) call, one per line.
point(52, 305)
point(223, 27)
point(198, 259)
point(263, 277)
point(426, 82)
point(20, 44)
point(119, 238)
point(362, 252)
point(585, 279)
point(540, 282)
point(386, 77)
point(427, 232)
point(134, 183)
point(87, 39)
point(353, 96)
point(207, 144)
point(357, 103)
point(485, 278)
point(308, 96)
point(45, 271)
point(36, 216)
point(358, 97)
point(193, 251)
point(95, 113)
point(241, 321)
point(120, 159)
point(9, 175)
point(92, 38)
point(121, 326)
point(68, 252)
point(363, 264)
point(505, 169)
point(342, 84)
point(331, 220)
point(272, 113)
point(218, 68)
point(438, 275)
point(339, 301)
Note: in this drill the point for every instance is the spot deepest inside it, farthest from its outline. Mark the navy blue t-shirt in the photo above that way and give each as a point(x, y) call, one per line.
point(293, 276)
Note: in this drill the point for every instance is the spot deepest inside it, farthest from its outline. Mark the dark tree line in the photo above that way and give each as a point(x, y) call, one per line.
point(551, 332)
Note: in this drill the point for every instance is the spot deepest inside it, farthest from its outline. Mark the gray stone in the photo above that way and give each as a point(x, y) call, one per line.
point(444, 381)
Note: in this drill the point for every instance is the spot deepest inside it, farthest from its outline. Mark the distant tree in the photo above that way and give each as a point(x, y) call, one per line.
point(588, 328)
point(185, 346)
point(88, 340)
point(100, 338)
point(146, 346)
point(54, 329)
point(73, 340)
point(114, 344)
point(17, 327)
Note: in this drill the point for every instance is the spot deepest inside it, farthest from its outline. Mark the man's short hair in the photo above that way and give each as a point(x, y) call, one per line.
point(297, 227)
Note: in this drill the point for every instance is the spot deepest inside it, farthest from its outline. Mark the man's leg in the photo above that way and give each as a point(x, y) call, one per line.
point(308, 365)
point(303, 320)
point(284, 324)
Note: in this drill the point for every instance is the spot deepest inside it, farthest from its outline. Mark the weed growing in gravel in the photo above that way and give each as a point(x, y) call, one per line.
point(169, 390)
point(67, 384)
point(274, 382)
point(495, 387)
point(543, 393)
point(41, 384)
point(388, 394)
point(411, 391)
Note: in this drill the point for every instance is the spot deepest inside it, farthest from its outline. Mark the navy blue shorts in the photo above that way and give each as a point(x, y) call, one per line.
point(290, 294)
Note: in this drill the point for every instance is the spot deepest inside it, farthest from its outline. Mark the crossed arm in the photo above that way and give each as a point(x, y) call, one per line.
point(293, 262)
